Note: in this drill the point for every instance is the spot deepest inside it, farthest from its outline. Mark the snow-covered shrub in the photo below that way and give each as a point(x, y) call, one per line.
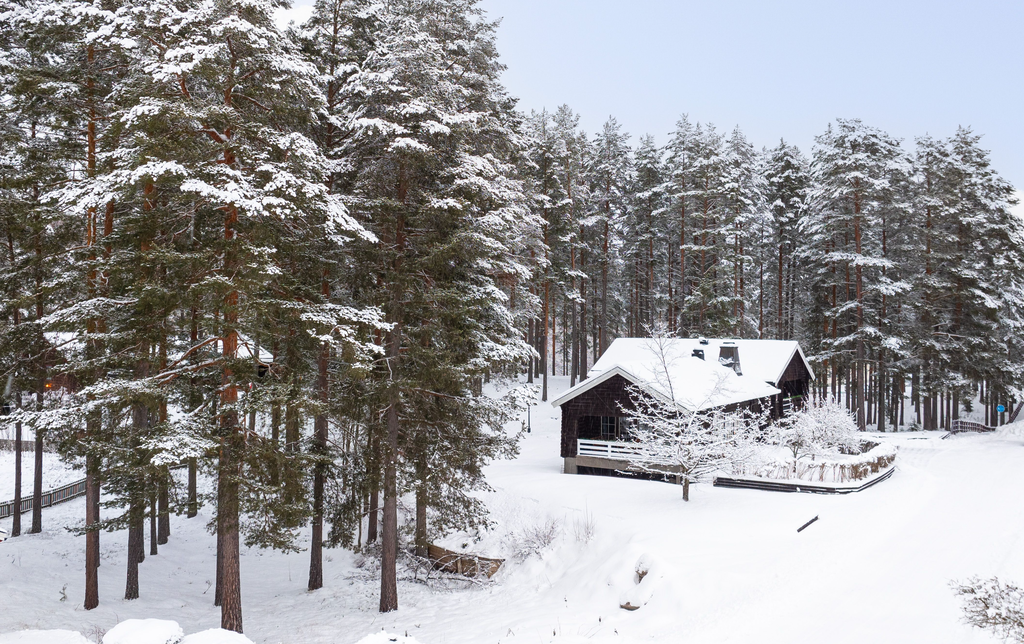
point(821, 428)
point(532, 539)
point(992, 605)
point(583, 527)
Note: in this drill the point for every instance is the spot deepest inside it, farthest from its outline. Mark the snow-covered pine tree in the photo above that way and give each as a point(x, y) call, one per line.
point(743, 197)
point(779, 272)
point(709, 289)
point(678, 179)
point(645, 232)
point(433, 138)
point(545, 178)
point(11, 169)
point(609, 175)
point(573, 151)
point(860, 178)
point(982, 302)
point(218, 193)
point(79, 58)
point(42, 123)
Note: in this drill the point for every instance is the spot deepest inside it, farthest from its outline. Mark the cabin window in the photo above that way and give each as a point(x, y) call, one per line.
point(609, 428)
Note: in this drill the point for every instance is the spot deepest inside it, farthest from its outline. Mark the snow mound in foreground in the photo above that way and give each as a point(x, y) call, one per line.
point(386, 638)
point(145, 631)
point(140, 631)
point(43, 637)
point(216, 636)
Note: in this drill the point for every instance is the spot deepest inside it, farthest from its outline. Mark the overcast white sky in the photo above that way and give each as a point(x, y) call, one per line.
point(776, 68)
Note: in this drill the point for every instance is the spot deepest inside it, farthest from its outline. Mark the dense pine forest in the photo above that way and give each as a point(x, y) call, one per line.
point(290, 260)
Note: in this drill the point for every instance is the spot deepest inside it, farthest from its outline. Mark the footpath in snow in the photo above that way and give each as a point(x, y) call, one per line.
point(729, 566)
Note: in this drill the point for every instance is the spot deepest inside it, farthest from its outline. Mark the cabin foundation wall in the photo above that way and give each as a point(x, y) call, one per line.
point(570, 465)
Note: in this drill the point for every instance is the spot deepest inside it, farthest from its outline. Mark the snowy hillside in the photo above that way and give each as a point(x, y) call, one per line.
point(728, 566)
point(55, 473)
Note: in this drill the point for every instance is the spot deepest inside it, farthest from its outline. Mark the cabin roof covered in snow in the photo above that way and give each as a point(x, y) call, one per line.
point(680, 378)
point(765, 360)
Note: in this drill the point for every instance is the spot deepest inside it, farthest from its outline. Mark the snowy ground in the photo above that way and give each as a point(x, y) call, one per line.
point(728, 566)
point(55, 473)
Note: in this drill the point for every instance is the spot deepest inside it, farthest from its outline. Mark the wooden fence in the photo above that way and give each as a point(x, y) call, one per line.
point(50, 497)
point(960, 426)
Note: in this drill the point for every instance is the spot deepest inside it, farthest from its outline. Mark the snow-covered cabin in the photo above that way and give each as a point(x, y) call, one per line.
point(694, 374)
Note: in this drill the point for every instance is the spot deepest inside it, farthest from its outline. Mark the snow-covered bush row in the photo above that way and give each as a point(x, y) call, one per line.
point(874, 458)
point(822, 444)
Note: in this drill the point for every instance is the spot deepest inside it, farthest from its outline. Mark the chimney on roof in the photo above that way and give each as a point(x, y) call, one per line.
point(729, 356)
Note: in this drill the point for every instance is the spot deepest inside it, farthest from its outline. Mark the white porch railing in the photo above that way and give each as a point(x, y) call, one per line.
point(617, 450)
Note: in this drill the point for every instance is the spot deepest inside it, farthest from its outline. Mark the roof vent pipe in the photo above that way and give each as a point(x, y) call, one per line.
point(698, 353)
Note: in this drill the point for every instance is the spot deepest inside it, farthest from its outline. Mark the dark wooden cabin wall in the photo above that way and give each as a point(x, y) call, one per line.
point(602, 400)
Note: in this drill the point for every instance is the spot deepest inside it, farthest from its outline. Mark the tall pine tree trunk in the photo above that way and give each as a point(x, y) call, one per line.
point(389, 554)
point(531, 342)
point(228, 480)
point(421, 501)
point(164, 512)
point(193, 496)
point(373, 512)
point(163, 499)
point(16, 518)
point(231, 466)
point(153, 530)
point(92, 536)
point(316, 565)
point(882, 391)
point(196, 399)
point(94, 420)
point(605, 259)
point(583, 318)
point(37, 479)
point(554, 337)
point(389, 536)
point(135, 551)
point(544, 341)
point(218, 591)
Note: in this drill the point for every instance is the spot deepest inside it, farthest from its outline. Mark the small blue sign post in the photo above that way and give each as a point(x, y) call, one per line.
point(1000, 408)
